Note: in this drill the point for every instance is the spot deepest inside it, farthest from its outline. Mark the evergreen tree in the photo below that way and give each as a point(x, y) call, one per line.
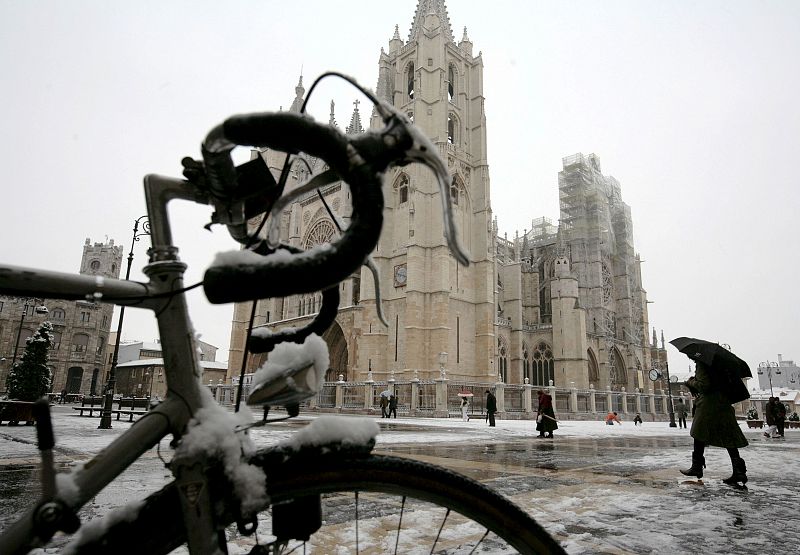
point(29, 379)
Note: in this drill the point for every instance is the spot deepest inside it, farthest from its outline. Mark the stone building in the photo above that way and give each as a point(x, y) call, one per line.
point(140, 366)
point(80, 328)
point(557, 304)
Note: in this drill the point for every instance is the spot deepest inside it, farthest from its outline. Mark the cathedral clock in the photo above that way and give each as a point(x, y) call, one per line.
point(400, 275)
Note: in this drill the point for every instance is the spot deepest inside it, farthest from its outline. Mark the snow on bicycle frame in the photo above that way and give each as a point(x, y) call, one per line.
point(237, 195)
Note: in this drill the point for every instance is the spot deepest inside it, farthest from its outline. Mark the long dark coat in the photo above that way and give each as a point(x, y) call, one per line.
point(771, 412)
point(548, 423)
point(491, 402)
point(714, 420)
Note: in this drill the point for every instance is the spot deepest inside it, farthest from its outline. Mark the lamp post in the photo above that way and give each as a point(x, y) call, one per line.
point(39, 310)
point(769, 367)
point(105, 418)
point(152, 375)
point(655, 375)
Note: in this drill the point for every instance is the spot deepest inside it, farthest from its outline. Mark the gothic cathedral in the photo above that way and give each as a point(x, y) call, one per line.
point(558, 305)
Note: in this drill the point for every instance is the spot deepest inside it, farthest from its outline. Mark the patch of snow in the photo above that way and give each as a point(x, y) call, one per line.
point(335, 429)
point(66, 486)
point(210, 432)
point(94, 529)
point(293, 356)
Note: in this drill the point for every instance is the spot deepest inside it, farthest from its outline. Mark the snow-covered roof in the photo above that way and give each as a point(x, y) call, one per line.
point(781, 393)
point(208, 364)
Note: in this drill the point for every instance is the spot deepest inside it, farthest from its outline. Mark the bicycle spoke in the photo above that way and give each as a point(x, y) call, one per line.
point(480, 541)
point(400, 524)
point(356, 523)
point(439, 533)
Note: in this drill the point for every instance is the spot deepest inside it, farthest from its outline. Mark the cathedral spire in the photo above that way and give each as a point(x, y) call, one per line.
point(332, 120)
point(299, 91)
point(428, 7)
point(355, 120)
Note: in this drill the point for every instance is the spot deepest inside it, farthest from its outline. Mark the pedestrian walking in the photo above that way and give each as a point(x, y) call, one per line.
point(392, 406)
point(464, 409)
point(63, 398)
point(714, 423)
point(780, 417)
point(681, 411)
point(384, 406)
point(771, 416)
point(545, 417)
point(491, 406)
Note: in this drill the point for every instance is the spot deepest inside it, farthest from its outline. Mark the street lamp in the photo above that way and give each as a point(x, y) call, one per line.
point(768, 367)
point(105, 418)
point(40, 309)
point(655, 375)
point(152, 376)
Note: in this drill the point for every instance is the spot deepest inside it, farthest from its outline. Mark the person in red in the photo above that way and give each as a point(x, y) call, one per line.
point(545, 417)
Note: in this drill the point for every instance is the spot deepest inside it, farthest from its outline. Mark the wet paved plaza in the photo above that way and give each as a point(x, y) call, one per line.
point(597, 489)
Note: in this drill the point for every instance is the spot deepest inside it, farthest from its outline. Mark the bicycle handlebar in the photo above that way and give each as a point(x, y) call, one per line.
point(360, 161)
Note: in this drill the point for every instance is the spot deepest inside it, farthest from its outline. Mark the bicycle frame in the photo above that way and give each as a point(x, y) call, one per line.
point(182, 368)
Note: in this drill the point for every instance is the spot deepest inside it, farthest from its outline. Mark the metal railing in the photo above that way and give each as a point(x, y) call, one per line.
point(442, 398)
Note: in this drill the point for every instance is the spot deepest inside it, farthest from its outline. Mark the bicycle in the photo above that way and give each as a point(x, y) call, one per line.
point(219, 478)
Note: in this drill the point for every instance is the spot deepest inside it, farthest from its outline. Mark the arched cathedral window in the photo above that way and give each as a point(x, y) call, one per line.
point(526, 364)
point(454, 193)
point(452, 128)
point(451, 87)
point(543, 365)
point(618, 375)
point(321, 233)
point(502, 359)
point(594, 372)
point(410, 81)
point(401, 186)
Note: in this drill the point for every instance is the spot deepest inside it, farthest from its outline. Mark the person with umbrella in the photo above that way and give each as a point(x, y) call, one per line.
point(384, 402)
point(715, 387)
point(465, 404)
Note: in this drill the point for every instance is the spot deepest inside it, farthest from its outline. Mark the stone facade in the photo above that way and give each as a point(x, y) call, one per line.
point(523, 308)
point(81, 328)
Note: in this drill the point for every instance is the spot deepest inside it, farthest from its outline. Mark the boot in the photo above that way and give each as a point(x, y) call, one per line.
point(739, 472)
point(698, 464)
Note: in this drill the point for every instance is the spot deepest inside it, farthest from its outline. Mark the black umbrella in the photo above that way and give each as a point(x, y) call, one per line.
point(713, 355)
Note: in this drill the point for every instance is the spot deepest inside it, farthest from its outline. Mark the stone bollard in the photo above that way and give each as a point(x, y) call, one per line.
point(500, 393)
point(369, 395)
point(573, 400)
point(441, 399)
point(414, 394)
point(592, 402)
point(527, 395)
point(340, 393)
point(624, 402)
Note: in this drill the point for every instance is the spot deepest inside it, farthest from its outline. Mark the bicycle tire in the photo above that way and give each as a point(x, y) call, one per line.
point(156, 530)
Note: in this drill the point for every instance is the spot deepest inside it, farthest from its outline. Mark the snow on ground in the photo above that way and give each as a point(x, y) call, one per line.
point(596, 488)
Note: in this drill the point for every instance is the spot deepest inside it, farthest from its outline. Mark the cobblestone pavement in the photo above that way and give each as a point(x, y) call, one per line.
point(596, 490)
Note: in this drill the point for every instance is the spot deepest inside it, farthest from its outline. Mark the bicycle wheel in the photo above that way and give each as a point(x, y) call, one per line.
point(375, 504)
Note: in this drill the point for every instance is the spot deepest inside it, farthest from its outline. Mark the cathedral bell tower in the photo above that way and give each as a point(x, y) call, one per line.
point(432, 304)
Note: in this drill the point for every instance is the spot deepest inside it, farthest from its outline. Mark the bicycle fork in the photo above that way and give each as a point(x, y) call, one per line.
point(193, 488)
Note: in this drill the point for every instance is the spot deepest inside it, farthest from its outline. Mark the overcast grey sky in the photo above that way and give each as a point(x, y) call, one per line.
point(692, 106)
